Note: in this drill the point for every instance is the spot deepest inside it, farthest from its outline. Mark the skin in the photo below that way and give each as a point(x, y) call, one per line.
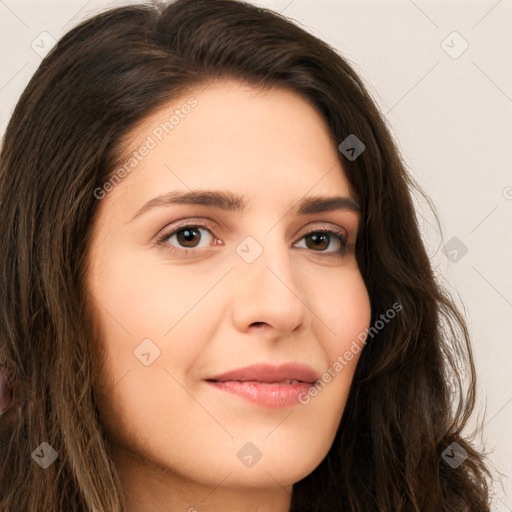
point(174, 438)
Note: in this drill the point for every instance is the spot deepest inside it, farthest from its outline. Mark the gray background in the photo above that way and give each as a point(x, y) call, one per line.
point(449, 108)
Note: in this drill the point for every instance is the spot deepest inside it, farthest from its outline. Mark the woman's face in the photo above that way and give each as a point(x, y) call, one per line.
point(239, 287)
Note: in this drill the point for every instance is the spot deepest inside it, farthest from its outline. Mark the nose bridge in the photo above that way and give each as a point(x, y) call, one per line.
point(278, 267)
point(274, 264)
point(268, 290)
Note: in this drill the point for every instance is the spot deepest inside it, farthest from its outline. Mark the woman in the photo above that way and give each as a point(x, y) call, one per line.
point(302, 358)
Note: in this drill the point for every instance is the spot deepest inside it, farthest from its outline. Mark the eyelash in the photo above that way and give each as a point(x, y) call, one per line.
point(192, 251)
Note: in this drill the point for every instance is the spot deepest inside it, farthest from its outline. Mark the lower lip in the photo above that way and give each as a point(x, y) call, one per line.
point(269, 395)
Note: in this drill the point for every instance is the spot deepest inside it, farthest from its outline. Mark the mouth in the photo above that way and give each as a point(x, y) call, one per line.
point(273, 383)
point(287, 373)
point(267, 385)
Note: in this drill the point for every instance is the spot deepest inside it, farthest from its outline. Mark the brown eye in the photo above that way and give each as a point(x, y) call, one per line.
point(188, 237)
point(320, 241)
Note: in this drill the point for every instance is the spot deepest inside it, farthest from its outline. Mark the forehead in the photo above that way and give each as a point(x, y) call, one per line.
point(228, 135)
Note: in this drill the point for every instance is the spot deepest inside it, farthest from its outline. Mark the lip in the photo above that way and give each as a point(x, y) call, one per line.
point(269, 373)
point(261, 383)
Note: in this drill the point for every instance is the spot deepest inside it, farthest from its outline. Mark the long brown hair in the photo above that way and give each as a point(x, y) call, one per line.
point(408, 402)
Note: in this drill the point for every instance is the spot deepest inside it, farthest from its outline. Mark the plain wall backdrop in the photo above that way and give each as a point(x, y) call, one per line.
point(441, 74)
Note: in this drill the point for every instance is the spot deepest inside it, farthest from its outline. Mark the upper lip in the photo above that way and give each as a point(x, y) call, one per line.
point(270, 373)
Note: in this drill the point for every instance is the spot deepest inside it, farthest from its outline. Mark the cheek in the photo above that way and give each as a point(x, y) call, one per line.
point(151, 334)
point(345, 308)
point(347, 311)
point(140, 297)
point(153, 328)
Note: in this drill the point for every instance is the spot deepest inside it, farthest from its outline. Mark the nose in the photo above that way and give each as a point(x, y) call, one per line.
point(267, 294)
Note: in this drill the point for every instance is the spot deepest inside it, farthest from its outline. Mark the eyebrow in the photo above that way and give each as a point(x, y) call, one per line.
point(228, 201)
